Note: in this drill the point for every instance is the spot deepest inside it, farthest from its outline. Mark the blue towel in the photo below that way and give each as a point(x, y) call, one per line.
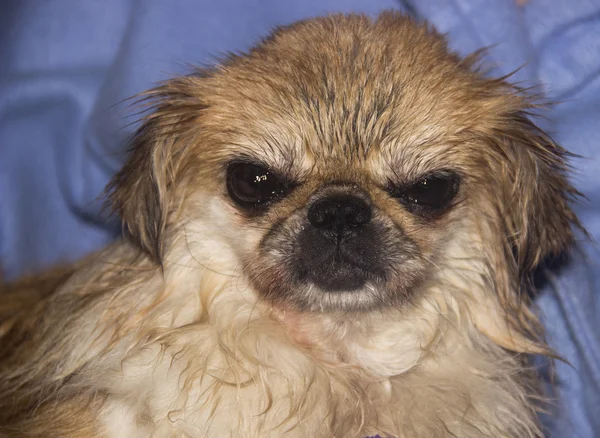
point(65, 65)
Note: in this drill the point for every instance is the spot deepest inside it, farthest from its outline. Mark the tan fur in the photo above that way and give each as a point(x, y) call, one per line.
point(185, 330)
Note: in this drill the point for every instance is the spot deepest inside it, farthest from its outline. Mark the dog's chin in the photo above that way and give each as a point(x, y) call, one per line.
point(310, 295)
point(369, 296)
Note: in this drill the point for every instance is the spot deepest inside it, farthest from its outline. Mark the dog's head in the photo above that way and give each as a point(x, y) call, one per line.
point(348, 164)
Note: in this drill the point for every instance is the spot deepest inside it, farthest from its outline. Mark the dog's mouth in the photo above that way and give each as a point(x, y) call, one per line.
point(338, 265)
point(335, 275)
point(355, 275)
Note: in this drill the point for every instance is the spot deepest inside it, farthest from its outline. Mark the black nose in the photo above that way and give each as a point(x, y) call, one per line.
point(339, 215)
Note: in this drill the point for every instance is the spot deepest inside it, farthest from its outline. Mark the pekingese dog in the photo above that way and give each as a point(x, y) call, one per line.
point(329, 236)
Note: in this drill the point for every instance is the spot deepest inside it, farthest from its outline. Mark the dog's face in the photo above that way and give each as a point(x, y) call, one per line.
point(343, 164)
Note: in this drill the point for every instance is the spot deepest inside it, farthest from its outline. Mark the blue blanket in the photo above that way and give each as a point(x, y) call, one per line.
point(64, 66)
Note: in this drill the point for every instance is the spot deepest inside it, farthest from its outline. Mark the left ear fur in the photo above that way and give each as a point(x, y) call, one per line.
point(538, 194)
point(532, 198)
point(141, 191)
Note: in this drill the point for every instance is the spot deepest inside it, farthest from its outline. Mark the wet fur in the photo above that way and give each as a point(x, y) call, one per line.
point(173, 331)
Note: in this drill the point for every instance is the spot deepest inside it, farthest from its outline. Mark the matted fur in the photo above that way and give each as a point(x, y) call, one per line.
point(184, 330)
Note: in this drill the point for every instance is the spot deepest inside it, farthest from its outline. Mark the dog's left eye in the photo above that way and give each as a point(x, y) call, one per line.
point(429, 195)
point(251, 185)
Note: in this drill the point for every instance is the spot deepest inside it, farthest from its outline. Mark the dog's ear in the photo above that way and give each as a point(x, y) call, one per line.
point(537, 193)
point(528, 185)
point(140, 193)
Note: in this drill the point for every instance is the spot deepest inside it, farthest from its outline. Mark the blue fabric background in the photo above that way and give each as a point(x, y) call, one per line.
point(65, 65)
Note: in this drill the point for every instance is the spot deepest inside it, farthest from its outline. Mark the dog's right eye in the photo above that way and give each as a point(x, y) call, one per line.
point(252, 186)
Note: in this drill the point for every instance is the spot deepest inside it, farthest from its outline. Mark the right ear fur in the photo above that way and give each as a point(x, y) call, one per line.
point(141, 192)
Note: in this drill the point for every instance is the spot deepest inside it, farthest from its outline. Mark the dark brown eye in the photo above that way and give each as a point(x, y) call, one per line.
point(251, 185)
point(429, 195)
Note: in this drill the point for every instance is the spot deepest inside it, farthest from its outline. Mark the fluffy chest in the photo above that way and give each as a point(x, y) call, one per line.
point(195, 384)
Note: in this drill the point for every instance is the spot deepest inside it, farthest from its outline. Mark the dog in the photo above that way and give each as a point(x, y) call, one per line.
point(331, 235)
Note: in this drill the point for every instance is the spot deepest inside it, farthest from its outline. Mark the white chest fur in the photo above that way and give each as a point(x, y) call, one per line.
point(220, 365)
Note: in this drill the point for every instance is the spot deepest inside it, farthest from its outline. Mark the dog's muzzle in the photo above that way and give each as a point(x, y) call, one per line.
point(338, 247)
